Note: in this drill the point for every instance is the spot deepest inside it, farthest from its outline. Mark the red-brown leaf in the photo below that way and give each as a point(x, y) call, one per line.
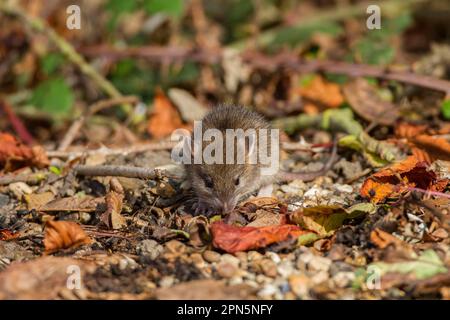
point(233, 239)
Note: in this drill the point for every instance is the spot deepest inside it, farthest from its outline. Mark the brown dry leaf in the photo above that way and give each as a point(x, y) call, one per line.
point(114, 204)
point(112, 217)
point(6, 234)
point(322, 92)
point(165, 117)
point(397, 178)
point(83, 204)
point(233, 239)
point(63, 235)
point(424, 146)
point(39, 279)
point(365, 101)
point(37, 200)
point(382, 239)
point(14, 154)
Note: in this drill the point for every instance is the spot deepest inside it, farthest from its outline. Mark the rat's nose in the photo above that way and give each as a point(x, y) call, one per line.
point(227, 206)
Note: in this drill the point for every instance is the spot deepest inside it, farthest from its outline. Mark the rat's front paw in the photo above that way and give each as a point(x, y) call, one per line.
point(201, 208)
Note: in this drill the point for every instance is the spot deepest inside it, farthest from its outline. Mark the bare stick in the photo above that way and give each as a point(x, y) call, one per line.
point(118, 171)
point(32, 178)
point(163, 145)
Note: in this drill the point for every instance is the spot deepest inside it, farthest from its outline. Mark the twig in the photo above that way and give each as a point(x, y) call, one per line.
point(33, 178)
point(16, 123)
point(273, 63)
point(164, 145)
point(94, 108)
point(117, 171)
point(39, 25)
point(428, 192)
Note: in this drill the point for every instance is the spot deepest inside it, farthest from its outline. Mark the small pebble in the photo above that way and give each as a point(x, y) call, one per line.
point(228, 258)
point(254, 255)
point(269, 268)
point(226, 269)
point(343, 279)
point(149, 248)
point(166, 281)
point(175, 247)
point(211, 256)
point(273, 256)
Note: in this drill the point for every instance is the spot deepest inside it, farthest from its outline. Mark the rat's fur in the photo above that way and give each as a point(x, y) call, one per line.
point(224, 194)
point(225, 189)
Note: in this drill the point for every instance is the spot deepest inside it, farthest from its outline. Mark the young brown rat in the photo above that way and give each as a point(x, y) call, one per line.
point(219, 186)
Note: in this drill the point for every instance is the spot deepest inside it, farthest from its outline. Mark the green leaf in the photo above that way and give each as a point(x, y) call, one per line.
point(51, 62)
point(170, 7)
point(352, 142)
point(53, 96)
point(445, 109)
point(426, 266)
point(297, 35)
point(307, 238)
point(120, 6)
point(326, 219)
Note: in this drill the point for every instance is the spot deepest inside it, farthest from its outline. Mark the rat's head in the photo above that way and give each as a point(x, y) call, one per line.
point(221, 186)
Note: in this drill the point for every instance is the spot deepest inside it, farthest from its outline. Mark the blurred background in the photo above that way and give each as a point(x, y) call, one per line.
point(208, 51)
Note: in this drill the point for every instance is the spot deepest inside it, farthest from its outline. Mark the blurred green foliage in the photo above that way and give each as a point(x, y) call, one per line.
point(376, 47)
point(53, 96)
point(445, 109)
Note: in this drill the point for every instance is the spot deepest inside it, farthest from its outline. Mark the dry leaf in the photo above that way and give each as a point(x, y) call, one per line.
point(37, 200)
point(6, 234)
point(233, 239)
point(165, 117)
point(322, 92)
point(14, 154)
point(63, 235)
point(365, 101)
point(382, 239)
point(111, 217)
point(76, 203)
point(424, 146)
point(397, 178)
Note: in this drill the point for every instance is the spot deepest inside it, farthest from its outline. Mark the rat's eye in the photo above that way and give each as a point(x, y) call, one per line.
point(208, 182)
point(237, 181)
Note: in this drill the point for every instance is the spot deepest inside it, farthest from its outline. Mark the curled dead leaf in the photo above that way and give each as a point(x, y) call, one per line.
point(63, 235)
point(365, 101)
point(398, 178)
point(14, 154)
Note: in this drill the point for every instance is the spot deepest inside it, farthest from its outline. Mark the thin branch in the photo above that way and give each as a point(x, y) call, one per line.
point(117, 171)
point(32, 178)
point(163, 145)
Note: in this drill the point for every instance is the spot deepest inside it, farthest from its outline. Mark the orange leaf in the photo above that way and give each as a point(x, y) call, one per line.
point(63, 235)
point(382, 239)
point(423, 145)
point(165, 118)
point(395, 179)
point(14, 154)
point(233, 239)
point(323, 92)
point(6, 234)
